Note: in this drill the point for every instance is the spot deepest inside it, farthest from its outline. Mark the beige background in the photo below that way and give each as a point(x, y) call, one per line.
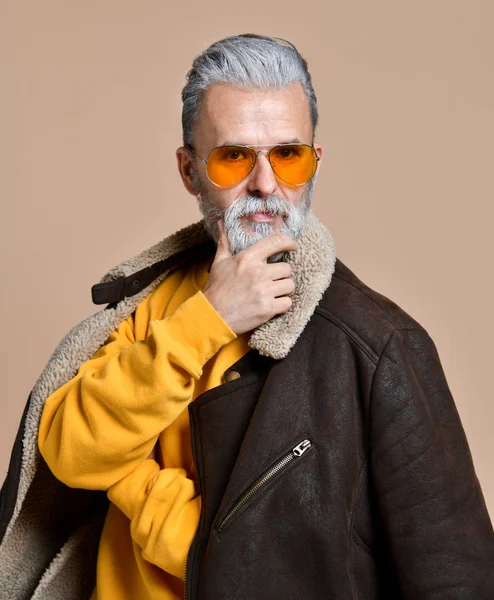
point(90, 120)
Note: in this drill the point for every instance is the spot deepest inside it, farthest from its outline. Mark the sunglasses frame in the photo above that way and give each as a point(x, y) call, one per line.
point(256, 152)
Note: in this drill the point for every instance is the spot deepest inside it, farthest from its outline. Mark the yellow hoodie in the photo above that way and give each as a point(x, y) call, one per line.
point(97, 430)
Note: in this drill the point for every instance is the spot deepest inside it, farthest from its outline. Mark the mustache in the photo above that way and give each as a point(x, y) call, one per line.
point(249, 205)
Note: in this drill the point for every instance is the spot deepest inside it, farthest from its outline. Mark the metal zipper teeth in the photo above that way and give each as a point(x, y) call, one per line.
point(187, 560)
point(293, 454)
point(185, 578)
point(194, 458)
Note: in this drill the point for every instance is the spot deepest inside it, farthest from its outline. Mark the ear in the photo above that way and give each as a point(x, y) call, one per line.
point(319, 152)
point(185, 166)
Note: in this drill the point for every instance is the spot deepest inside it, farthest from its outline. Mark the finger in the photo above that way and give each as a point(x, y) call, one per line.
point(279, 270)
point(282, 287)
point(223, 249)
point(276, 242)
point(282, 304)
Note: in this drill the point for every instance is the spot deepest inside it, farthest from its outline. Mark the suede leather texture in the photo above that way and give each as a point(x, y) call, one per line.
point(384, 505)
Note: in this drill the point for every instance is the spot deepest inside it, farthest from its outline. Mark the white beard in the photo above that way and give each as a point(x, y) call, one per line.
point(294, 218)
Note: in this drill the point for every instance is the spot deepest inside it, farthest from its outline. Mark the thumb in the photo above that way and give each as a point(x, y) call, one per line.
point(223, 250)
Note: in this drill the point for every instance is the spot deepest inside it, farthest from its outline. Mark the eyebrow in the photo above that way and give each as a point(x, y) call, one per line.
point(294, 140)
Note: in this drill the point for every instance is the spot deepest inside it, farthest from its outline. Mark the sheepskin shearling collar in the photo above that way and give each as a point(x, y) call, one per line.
point(312, 267)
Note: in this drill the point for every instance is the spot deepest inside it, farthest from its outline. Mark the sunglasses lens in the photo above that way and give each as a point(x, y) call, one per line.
point(228, 165)
point(295, 164)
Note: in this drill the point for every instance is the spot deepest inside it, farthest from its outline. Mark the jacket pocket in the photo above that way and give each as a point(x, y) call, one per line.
point(299, 451)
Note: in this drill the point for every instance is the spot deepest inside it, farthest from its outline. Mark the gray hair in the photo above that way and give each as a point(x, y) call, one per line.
point(247, 60)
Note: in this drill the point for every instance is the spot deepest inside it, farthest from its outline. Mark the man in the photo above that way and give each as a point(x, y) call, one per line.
point(246, 418)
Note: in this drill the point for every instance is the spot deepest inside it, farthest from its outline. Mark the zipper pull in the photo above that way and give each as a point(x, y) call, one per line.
point(302, 447)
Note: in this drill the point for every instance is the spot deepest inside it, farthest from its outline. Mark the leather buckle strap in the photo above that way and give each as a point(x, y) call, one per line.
point(111, 292)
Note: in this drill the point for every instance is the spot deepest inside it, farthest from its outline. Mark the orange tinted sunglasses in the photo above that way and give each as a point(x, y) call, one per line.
point(226, 166)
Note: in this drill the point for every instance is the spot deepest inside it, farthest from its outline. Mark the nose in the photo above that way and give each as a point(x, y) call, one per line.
point(262, 178)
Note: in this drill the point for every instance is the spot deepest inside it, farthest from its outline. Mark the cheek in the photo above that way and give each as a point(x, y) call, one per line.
point(228, 197)
point(227, 201)
point(221, 199)
point(295, 197)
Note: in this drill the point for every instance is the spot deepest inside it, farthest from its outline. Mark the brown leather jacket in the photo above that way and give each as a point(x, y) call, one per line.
point(332, 462)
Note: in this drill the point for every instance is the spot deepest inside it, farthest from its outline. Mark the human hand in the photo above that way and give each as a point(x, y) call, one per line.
point(244, 288)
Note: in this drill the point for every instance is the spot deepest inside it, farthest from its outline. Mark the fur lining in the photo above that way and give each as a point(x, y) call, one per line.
point(312, 268)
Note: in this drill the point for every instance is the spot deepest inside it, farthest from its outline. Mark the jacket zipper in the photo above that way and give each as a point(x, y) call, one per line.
point(187, 561)
point(185, 578)
point(194, 458)
point(294, 453)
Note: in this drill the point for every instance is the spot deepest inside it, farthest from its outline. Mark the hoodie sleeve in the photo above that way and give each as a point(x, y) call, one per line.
point(163, 507)
point(104, 422)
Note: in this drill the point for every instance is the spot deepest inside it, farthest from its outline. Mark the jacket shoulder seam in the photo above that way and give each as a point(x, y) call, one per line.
point(366, 349)
point(364, 290)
